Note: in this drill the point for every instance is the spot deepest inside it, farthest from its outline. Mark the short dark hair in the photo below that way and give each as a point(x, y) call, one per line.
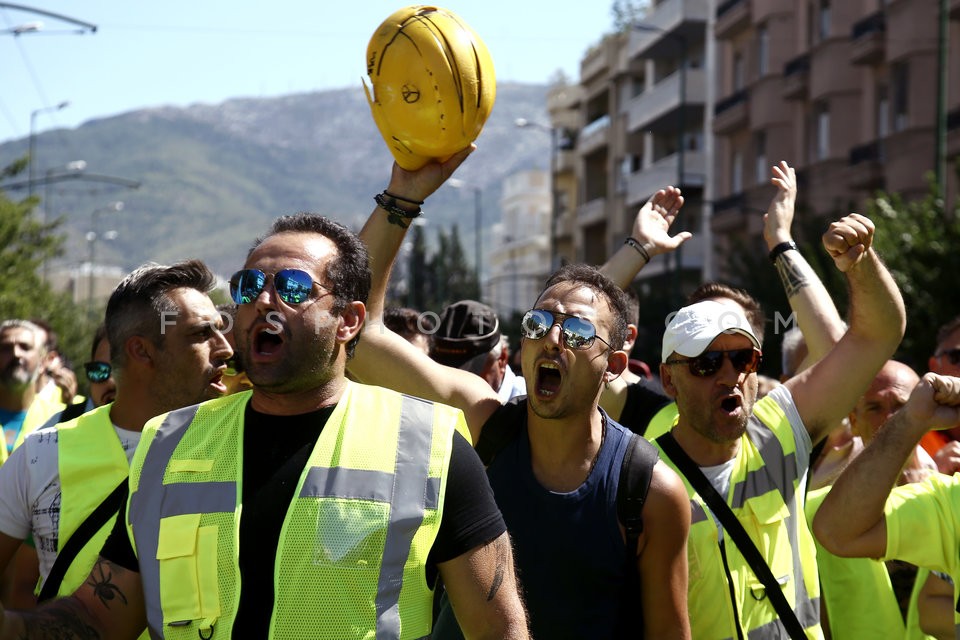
point(98, 337)
point(751, 307)
point(348, 274)
point(944, 331)
point(408, 322)
point(589, 276)
point(136, 307)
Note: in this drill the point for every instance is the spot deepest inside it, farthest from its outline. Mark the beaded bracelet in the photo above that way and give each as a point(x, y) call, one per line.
point(633, 242)
point(396, 215)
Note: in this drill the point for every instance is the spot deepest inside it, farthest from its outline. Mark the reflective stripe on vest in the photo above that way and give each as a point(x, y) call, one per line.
point(763, 494)
point(407, 492)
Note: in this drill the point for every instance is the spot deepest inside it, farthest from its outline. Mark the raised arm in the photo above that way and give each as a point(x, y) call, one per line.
point(813, 308)
point(108, 605)
point(384, 358)
point(827, 391)
point(483, 590)
point(650, 237)
point(662, 560)
point(850, 521)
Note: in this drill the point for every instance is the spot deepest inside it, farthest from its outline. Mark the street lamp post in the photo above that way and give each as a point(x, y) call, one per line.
point(523, 123)
point(456, 183)
point(33, 138)
point(92, 237)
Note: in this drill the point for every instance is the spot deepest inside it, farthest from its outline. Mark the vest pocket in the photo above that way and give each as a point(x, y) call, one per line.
point(769, 533)
point(187, 556)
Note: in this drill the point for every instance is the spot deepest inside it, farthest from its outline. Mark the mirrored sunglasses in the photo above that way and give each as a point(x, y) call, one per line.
point(578, 333)
point(97, 371)
point(709, 362)
point(293, 286)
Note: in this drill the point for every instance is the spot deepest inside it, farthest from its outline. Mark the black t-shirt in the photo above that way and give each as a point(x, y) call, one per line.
point(644, 400)
point(470, 517)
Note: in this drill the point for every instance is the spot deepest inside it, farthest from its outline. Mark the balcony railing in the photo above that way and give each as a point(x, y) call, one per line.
point(874, 23)
point(730, 101)
point(869, 152)
point(798, 65)
point(726, 6)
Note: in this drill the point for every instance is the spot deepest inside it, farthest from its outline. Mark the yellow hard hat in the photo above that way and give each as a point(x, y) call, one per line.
point(433, 84)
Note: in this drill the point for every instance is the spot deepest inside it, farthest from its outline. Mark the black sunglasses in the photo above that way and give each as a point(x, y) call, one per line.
point(952, 354)
point(293, 285)
point(709, 362)
point(578, 333)
point(97, 371)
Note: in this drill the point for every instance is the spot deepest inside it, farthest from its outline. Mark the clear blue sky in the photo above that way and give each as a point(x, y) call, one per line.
point(147, 54)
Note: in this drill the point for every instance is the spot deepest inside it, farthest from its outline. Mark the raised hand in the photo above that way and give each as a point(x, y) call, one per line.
point(847, 240)
point(652, 225)
point(779, 216)
point(416, 186)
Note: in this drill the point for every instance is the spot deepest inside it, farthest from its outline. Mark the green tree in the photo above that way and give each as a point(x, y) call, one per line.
point(918, 240)
point(27, 243)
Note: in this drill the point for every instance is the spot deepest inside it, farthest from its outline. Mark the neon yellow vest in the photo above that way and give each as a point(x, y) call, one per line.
point(353, 547)
point(38, 413)
point(91, 464)
point(856, 591)
point(661, 422)
point(765, 496)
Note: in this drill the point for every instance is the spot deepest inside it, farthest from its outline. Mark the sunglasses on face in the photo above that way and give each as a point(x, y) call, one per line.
point(953, 355)
point(97, 371)
point(709, 362)
point(578, 333)
point(293, 286)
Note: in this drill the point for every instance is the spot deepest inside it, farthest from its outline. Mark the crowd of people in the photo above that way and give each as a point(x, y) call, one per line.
point(310, 462)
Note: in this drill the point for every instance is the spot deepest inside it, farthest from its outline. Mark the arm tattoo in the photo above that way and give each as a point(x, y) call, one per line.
point(101, 580)
point(791, 276)
point(501, 548)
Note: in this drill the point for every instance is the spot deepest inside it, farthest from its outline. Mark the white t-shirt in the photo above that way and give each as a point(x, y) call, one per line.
point(719, 475)
point(30, 491)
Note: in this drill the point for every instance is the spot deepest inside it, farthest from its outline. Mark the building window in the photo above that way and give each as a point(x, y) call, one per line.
point(901, 92)
point(763, 51)
point(883, 113)
point(736, 172)
point(822, 129)
point(760, 153)
point(823, 20)
point(738, 79)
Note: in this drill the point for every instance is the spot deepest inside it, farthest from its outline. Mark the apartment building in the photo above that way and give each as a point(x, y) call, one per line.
point(521, 253)
point(845, 91)
point(640, 105)
point(711, 94)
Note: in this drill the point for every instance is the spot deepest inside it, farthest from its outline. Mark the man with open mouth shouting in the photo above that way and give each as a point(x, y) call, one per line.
point(556, 457)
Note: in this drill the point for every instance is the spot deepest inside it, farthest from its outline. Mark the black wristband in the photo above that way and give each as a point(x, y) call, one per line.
point(782, 247)
point(633, 242)
point(395, 197)
point(395, 215)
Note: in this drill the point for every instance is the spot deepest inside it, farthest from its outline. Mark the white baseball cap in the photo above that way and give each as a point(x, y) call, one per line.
point(694, 327)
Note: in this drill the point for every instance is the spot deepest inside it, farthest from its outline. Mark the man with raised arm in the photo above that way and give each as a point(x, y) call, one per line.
point(866, 515)
point(557, 456)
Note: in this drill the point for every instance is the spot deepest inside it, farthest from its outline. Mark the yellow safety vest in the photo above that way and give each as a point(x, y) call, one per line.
point(39, 412)
point(661, 422)
point(351, 558)
point(856, 591)
point(765, 496)
point(91, 463)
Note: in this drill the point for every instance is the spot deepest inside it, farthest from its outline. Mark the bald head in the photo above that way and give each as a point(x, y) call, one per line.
point(888, 392)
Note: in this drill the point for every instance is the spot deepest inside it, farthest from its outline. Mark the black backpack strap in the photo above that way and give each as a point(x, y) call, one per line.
point(737, 533)
point(73, 411)
point(636, 472)
point(84, 533)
